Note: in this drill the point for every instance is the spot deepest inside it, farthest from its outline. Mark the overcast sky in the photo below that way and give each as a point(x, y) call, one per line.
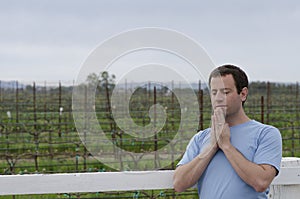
point(50, 40)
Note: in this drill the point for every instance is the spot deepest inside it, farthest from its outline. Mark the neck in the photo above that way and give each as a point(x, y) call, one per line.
point(236, 119)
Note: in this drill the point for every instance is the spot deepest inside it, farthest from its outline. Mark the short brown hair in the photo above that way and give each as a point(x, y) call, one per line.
point(239, 76)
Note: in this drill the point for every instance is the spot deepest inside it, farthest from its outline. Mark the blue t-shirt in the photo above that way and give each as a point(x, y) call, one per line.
point(259, 143)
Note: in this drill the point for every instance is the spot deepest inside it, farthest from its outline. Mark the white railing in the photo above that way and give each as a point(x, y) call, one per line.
point(285, 185)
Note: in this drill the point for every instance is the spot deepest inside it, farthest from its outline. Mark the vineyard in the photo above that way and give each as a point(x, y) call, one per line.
point(38, 133)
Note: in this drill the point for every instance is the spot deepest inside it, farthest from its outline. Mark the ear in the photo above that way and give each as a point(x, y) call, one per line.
point(244, 94)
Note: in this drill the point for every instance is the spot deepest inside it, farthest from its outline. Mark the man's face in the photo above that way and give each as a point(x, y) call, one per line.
point(224, 95)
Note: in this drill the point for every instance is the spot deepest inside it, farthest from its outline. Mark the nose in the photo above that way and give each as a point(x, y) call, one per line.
point(219, 96)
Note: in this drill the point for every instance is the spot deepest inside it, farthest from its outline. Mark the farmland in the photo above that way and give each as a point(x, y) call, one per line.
point(38, 133)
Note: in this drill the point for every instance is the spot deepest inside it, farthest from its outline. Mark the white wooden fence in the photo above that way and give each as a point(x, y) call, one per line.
point(285, 185)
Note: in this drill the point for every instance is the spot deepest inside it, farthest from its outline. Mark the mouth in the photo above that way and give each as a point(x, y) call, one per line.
point(220, 106)
point(221, 109)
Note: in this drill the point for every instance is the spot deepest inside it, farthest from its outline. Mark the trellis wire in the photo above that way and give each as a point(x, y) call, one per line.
point(38, 133)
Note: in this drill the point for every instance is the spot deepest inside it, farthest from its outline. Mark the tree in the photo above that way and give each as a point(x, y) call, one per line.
point(104, 80)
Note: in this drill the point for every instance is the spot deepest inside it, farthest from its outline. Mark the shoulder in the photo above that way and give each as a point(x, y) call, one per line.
point(266, 131)
point(199, 138)
point(201, 135)
point(263, 127)
point(194, 147)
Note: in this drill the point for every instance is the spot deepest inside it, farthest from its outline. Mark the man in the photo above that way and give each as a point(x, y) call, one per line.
point(236, 157)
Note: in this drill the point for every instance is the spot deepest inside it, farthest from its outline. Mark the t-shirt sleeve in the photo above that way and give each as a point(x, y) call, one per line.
point(192, 149)
point(269, 150)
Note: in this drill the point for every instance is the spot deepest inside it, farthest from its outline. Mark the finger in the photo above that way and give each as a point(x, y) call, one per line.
point(213, 130)
point(219, 121)
point(226, 128)
point(220, 116)
point(213, 126)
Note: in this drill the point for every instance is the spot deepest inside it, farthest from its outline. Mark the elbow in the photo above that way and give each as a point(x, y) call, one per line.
point(178, 187)
point(261, 186)
point(182, 180)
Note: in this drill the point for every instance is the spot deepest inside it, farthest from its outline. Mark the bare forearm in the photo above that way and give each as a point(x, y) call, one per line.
point(187, 175)
point(253, 174)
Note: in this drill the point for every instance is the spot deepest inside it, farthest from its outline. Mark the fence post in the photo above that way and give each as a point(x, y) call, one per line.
point(17, 103)
point(85, 126)
point(0, 92)
point(156, 161)
point(297, 102)
point(268, 102)
point(200, 98)
point(262, 111)
point(59, 105)
point(35, 133)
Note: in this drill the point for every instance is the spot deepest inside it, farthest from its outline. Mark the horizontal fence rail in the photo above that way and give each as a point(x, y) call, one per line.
point(85, 182)
point(117, 181)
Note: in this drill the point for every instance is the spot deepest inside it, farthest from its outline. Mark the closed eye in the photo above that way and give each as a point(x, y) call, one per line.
point(223, 91)
point(226, 91)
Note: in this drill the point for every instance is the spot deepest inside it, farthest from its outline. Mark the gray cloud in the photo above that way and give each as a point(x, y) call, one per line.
point(59, 35)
